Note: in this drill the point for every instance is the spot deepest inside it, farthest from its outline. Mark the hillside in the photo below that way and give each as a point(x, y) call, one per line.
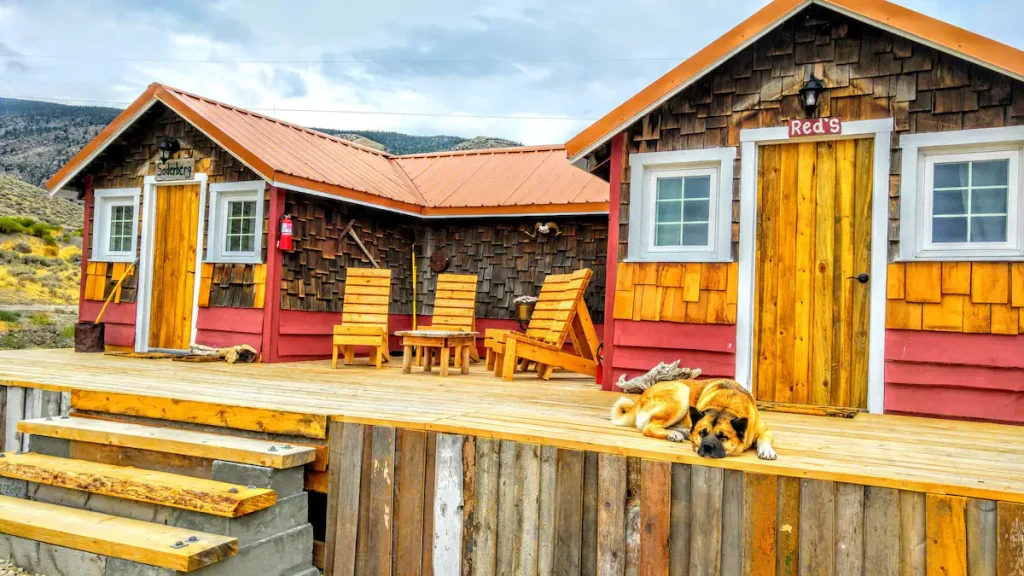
point(19, 198)
point(37, 138)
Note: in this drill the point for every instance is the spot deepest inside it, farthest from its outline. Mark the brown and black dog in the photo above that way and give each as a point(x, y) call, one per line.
point(719, 416)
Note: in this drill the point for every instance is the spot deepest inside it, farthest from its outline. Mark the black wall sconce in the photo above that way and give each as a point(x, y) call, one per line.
point(810, 94)
point(168, 148)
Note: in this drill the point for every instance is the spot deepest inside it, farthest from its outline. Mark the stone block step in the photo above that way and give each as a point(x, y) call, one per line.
point(132, 540)
point(177, 491)
point(170, 440)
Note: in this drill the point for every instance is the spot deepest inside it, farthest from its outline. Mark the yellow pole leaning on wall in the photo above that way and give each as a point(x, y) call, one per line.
point(413, 287)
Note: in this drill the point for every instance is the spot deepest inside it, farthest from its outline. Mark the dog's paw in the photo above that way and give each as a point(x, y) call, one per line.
point(676, 436)
point(766, 452)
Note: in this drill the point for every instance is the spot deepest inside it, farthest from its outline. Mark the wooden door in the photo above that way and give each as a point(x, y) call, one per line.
point(813, 238)
point(176, 224)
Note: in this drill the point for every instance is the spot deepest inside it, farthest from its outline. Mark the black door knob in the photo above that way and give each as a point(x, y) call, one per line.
point(863, 278)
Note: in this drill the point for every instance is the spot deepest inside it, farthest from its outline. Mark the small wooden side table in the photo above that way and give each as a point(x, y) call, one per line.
point(440, 341)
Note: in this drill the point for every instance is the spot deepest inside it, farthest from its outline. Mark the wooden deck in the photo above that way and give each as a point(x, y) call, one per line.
point(976, 460)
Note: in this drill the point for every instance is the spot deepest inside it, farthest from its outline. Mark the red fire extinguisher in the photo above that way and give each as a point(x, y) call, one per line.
point(284, 240)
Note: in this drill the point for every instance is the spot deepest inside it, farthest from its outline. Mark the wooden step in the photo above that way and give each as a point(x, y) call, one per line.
point(185, 492)
point(171, 440)
point(134, 540)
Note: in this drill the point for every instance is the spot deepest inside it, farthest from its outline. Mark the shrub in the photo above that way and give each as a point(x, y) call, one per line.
point(40, 319)
point(9, 316)
point(50, 241)
point(77, 232)
point(9, 256)
point(9, 225)
point(22, 248)
point(25, 221)
point(68, 331)
point(51, 250)
point(75, 258)
point(42, 229)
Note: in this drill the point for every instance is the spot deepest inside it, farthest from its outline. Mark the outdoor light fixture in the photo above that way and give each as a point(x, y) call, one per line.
point(810, 92)
point(167, 148)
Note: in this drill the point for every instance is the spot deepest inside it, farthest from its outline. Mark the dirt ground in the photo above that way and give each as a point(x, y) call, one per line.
point(32, 327)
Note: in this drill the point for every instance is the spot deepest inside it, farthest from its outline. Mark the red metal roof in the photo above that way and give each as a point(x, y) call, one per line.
point(483, 182)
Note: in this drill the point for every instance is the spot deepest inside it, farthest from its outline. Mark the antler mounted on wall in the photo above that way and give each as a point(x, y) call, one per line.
point(543, 228)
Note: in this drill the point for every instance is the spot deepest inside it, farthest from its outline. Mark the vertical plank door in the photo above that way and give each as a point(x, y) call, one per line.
point(175, 232)
point(813, 239)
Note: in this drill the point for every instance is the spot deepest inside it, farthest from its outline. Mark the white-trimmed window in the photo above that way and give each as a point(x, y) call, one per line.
point(115, 224)
point(681, 206)
point(961, 195)
point(236, 222)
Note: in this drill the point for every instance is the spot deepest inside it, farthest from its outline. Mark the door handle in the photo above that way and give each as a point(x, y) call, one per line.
point(863, 278)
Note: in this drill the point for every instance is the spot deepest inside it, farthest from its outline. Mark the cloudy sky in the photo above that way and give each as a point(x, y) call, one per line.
point(463, 67)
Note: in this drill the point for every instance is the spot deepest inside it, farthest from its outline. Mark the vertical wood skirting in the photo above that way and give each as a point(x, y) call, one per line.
point(849, 534)
point(588, 551)
point(760, 514)
point(706, 514)
point(429, 490)
point(817, 518)
point(633, 489)
point(732, 524)
point(529, 497)
point(15, 411)
point(485, 525)
point(788, 535)
point(468, 502)
point(1010, 549)
point(382, 503)
point(982, 537)
point(946, 520)
point(568, 513)
point(344, 474)
point(509, 507)
point(882, 531)
point(655, 517)
point(546, 519)
point(913, 534)
point(410, 455)
point(679, 543)
point(448, 505)
point(611, 511)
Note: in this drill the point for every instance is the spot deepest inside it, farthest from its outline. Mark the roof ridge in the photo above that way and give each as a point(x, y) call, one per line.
point(285, 123)
point(504, 150)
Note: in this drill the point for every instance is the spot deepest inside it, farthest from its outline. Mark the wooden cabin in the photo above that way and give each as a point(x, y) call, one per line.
point(195, 192)
point(825, 204)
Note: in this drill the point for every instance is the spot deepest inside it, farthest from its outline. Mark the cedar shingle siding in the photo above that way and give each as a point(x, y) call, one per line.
point(869, 74)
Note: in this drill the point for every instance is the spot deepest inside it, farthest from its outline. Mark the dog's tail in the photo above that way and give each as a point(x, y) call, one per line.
point(624, 412)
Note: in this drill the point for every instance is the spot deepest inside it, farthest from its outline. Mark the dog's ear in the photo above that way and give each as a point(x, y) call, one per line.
point(695, 416)
point(740, 426)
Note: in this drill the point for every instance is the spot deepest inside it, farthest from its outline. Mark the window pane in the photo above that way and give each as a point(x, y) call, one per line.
point(949, 229)
point(234, 209)
point(667, 235)
point(953, 175)
point(989, 201)
point(950, 202)
point(249, 209)
point(695, 235)
point(988, 229)
point(698, 187)
point(991, 173)
point(696, 211)
point(246, 244)
point(670, 188)
point(670, 211)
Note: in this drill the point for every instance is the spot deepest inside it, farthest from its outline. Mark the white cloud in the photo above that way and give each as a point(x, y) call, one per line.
point(508, 58)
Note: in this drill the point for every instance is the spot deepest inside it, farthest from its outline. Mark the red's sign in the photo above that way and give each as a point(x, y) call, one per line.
point(816, 127)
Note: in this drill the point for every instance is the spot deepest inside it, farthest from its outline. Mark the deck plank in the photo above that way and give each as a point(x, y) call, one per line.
point(966, 459)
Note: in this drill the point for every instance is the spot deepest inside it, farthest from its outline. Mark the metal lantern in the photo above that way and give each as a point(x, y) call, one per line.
point(168, 148)
point(810, 94)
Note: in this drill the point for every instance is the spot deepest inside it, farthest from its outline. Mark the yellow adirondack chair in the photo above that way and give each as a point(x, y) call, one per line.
point(454, 308)
point(560, 313)
point(364, 315)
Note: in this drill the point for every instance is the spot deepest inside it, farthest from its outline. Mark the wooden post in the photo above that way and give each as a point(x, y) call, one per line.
point(86, 240)
point(612, 260)
point(272, 302)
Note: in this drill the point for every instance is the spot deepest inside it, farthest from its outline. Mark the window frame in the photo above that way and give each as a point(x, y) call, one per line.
point(921, 153)
point(104, 200)
point(220, 196)
point(646, 169)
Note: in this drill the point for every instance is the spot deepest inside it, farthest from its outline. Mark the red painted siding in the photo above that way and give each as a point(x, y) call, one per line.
point(118, 320)
point(272, 306)
point(639, 346)
point(953, 375)
point(221, 327)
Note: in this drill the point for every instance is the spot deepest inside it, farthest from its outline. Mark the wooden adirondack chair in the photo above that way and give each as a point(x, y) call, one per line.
point(560, 313)
point(454, 308)
point(364, 315)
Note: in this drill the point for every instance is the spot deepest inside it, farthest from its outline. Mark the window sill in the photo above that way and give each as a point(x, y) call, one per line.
point(233, 260)
point(703, 258)
point(113, 259)
point(965, 257)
